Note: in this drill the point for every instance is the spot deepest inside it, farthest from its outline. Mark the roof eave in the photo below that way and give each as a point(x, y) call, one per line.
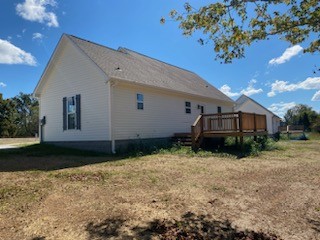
point(36, 92)
point(231, 102)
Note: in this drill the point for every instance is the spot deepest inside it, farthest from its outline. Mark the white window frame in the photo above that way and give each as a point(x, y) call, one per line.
point(140, 102)
point(187, 108)
point(74, 112)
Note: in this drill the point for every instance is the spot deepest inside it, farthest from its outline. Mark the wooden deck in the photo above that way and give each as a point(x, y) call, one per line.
point(292, 129)
point(234, 124)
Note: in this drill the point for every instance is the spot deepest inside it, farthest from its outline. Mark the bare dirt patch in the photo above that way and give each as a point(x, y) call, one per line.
point(273, 196)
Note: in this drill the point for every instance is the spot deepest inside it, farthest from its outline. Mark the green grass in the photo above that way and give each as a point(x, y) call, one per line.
point(230, 150)
point(313, 135)
point(218, 188)
point(12, 196)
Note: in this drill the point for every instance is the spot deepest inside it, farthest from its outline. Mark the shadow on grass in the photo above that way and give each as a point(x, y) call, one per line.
point(47, 157)
point(38, 238)
point(191, 226)
point(315, 224)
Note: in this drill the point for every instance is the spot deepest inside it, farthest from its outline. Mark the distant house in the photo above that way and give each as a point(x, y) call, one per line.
point(246, 104)
point(95, 97)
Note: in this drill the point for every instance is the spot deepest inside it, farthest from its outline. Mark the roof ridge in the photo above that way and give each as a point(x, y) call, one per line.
point(174, 77)
point(249, 98)
point(127, 49)
point(98, 44)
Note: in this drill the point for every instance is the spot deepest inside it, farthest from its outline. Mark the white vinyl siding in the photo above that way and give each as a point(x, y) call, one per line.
point(163, 114)
point(73, 73)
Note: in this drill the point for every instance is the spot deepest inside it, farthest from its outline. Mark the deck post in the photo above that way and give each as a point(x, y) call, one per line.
point(255, 127)
point(193, 138)
point(240, 127)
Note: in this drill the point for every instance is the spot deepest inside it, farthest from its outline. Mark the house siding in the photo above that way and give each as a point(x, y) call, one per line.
point(73, 73)
point(163, 114)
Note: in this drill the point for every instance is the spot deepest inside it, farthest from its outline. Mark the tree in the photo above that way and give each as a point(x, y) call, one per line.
point(301, 115)
point(316, 124)
point(27, 114)
point(231, 25)
point(8, 127)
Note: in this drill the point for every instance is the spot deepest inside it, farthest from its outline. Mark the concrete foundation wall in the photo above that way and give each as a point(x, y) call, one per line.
point(121, 146)
point(131, 145)
point(96, 146)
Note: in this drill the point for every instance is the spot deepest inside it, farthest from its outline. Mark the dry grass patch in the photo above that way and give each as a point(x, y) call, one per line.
point(161, 196)
point(18, 141)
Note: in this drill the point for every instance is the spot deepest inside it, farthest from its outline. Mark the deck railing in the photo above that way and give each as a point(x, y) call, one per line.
point(291, 128)
point(233, 123)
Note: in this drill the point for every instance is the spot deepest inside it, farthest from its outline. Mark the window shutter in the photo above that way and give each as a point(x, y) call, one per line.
point(64, 107)
point(78, 111)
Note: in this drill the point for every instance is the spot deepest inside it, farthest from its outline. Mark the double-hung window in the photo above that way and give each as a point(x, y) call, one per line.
point(188, 107)
point(140, 103)
point(71, 113)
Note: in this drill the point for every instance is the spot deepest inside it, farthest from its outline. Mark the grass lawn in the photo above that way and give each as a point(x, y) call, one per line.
point(18, 141)
point(54, 193)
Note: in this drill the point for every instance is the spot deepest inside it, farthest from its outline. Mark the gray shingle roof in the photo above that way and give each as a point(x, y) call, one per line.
point(134, 67)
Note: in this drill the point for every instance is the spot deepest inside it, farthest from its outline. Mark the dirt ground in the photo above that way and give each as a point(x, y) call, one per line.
point(273, 196)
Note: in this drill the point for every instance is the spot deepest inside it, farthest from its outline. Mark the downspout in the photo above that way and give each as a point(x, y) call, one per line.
point(111, 131)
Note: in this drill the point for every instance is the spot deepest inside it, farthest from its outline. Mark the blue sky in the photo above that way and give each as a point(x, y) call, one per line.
point(273, 73)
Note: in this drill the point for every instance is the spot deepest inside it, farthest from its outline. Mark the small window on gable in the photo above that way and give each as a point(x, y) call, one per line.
point(140, 101)
point(219, 109)
point(188, 107)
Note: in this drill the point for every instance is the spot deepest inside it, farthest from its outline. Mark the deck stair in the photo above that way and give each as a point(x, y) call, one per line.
point(183, 139)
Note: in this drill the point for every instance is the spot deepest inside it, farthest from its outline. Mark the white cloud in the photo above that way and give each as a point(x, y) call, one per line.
point(2, 84)
point(36, 11)
point(10, 54)
point(38, 36)
point(227, 91)
point(287, 55)
point(316, 96)
point(281, 108)
point(283, 86)
point(250, 90)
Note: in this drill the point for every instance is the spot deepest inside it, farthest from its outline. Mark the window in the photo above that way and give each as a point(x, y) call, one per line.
point(71, 113)
point(202, 109)
point(219, 109)
point(188, 107)
point(140, 101)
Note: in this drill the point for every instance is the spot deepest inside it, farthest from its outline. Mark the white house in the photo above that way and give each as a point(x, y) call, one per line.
point(95, 97)
point(246, 104)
